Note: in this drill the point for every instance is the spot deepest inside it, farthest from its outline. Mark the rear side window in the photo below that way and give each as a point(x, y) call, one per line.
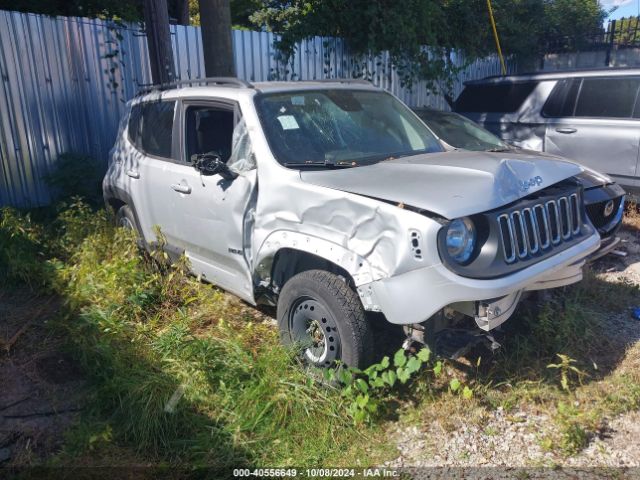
point(494, 98)
point(133, 128)
point(607, 97)
point(151, 128)
point(562, 100)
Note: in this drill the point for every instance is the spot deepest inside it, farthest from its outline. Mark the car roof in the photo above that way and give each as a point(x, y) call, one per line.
point(232, 87)
point(538, 76)
point(313, 85)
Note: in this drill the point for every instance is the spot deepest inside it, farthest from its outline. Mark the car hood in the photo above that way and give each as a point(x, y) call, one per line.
point(450, 184)
point(589, 177)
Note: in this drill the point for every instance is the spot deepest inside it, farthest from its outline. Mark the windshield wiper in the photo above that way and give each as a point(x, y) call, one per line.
point(499, 149)
point(328, 164)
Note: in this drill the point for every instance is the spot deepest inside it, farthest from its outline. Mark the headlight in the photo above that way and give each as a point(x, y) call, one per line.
point(460, 240)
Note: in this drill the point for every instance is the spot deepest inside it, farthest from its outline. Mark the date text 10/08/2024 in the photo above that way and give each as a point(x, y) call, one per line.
point(316, 472)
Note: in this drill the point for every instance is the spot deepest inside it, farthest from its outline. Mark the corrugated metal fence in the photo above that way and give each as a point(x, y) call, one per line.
point(65, 82)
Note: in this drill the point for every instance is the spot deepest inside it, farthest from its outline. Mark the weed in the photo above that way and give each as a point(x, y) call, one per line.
point(575, 426)
point(567, 367)
point(367, 390)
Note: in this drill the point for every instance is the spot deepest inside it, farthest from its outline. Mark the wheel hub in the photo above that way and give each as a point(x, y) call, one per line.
point(314, 329)
point(125, 223)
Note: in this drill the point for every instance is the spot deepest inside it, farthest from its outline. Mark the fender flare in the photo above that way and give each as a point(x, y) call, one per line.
point(358, 267)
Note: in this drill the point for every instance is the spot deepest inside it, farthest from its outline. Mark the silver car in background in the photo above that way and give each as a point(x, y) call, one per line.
point(589, 116)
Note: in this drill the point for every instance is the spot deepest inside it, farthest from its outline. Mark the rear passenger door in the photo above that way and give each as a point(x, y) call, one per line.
point(152, 131)
point(591, 120)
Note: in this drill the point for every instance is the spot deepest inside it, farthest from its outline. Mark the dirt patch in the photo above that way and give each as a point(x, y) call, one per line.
point(58, 369)
point(42, 388)
point(624, 264)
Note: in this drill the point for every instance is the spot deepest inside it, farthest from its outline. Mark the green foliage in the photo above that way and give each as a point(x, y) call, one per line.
point(130, 10)
point(369, 391)
point(23, 251)
point(127, 10)
point(177, 370)
point(626, 30)
point(574, 427)
point(562, 322)
point(76, 176)
point(403, 28)
point(567, 368)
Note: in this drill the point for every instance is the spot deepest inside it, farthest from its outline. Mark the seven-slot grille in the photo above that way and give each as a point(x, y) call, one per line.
point(537, 228)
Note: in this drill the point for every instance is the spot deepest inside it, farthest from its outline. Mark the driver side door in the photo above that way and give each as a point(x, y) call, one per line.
point(210, 211)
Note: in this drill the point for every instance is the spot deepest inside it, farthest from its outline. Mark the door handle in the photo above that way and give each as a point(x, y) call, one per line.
point(178, 187)
point(566, 130)
point(133, 173)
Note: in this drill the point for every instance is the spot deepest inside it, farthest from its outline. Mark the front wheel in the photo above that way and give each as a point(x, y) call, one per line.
point(323, 316)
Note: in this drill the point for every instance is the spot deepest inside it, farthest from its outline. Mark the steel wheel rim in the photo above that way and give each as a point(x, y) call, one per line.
point(313, 328)
point(124, 222)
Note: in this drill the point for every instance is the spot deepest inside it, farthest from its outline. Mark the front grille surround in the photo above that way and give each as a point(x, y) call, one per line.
point(605, 223)
point(536, 228)
point(527, 231)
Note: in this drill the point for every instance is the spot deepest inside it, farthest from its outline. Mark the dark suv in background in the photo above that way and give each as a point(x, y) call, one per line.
point(591, 117)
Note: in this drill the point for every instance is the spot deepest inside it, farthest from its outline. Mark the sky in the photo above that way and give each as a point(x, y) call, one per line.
point(626, 8)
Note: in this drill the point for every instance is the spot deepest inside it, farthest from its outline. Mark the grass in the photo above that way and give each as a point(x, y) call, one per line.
point(183, 374)
point(179, 371)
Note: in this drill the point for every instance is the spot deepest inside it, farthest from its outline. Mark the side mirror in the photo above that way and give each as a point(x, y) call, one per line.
point(209, 164)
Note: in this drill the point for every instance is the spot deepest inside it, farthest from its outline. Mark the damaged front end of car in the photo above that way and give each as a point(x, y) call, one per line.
point(430, 240)
point(486, 264)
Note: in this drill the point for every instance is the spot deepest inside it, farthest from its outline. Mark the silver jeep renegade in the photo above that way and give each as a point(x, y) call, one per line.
point(334, 200)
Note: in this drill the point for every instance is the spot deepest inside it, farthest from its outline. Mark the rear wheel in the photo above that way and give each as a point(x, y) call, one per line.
point(126, 219)
point(323, 316)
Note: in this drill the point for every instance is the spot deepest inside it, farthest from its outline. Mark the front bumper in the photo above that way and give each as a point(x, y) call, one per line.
point(606, 246)
point(415, 296)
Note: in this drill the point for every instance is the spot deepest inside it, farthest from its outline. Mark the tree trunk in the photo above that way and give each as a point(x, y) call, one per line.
point(215, 20)
point(182, 12)
point(156, 19)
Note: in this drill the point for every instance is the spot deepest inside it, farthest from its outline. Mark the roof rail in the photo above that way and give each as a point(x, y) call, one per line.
point(341, 80)
point(522, 77)
point(220, 81)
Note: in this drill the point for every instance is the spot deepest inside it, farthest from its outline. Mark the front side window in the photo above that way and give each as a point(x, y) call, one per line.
point(607, 97)
point(151, 127)
point(340, 127)
point(209, 130)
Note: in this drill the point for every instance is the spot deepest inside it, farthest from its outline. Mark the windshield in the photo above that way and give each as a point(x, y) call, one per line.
point(340, 127)
point(460, 132)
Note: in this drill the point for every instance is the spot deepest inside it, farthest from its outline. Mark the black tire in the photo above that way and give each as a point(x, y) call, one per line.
point(318, 311)
point(126, 219)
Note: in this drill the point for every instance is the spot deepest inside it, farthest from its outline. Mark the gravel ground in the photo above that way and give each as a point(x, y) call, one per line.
point(514, 440)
